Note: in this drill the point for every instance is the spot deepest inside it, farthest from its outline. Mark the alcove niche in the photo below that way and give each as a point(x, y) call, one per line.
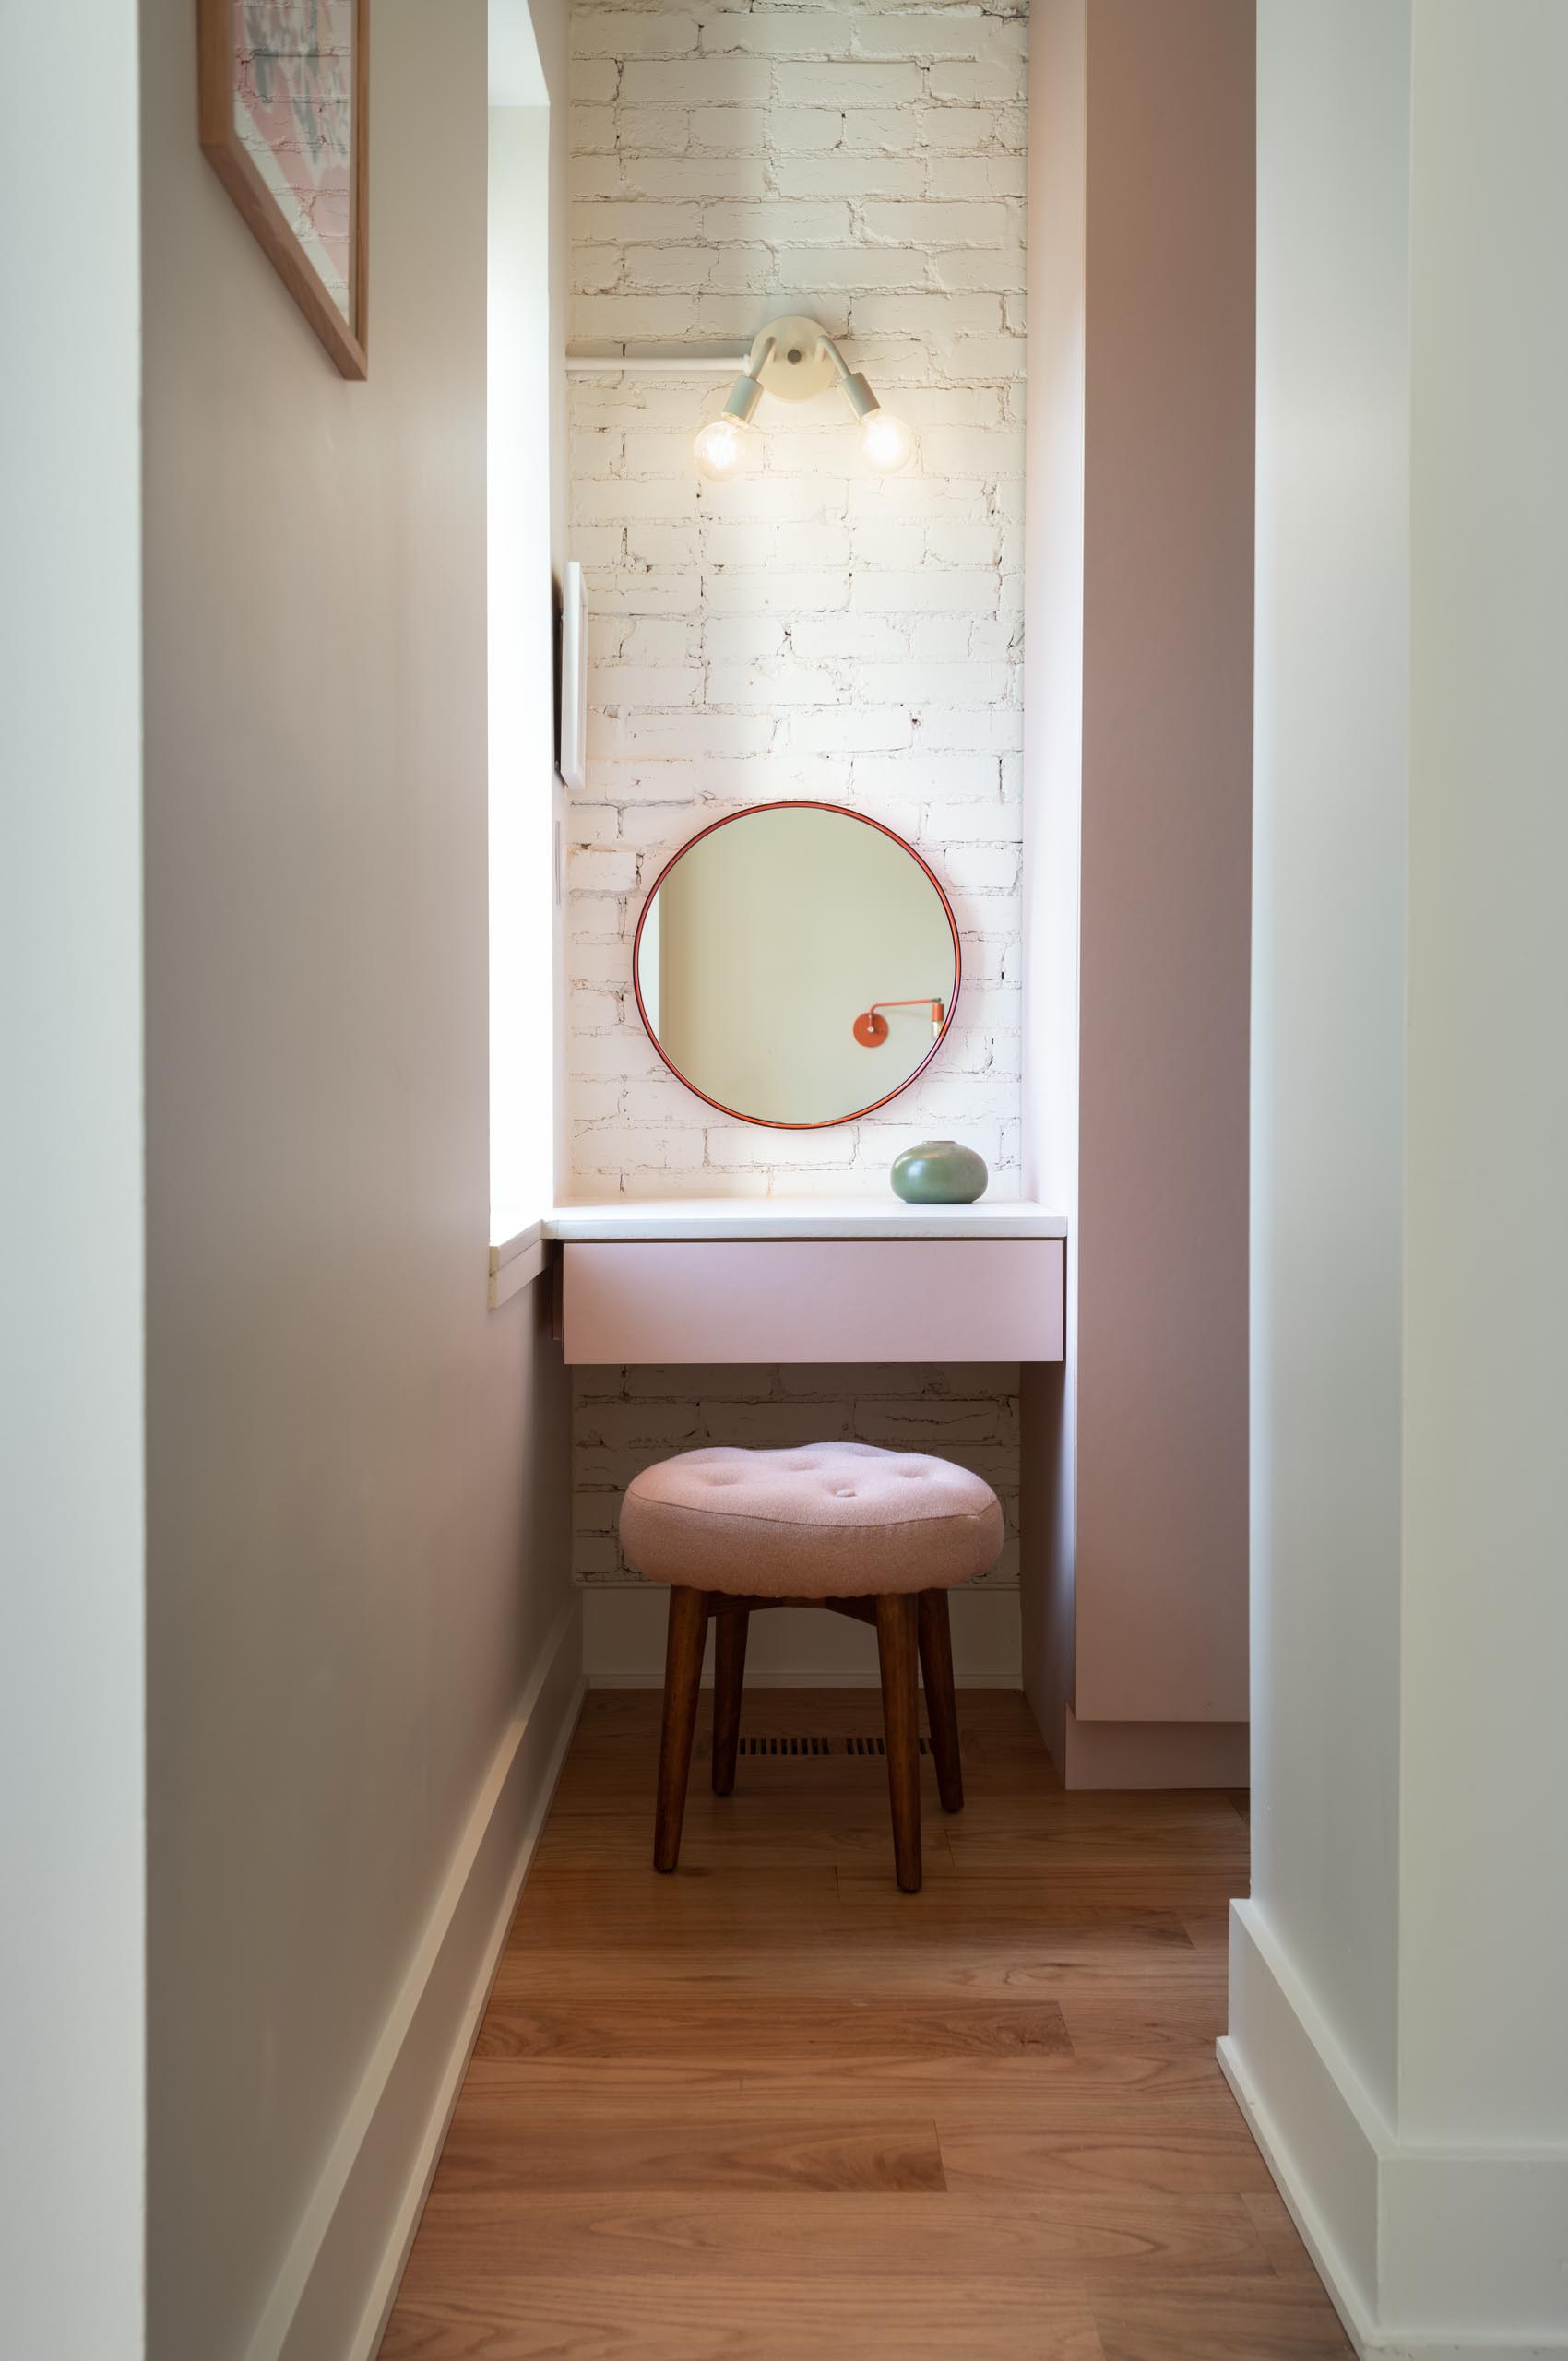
point(810, 631)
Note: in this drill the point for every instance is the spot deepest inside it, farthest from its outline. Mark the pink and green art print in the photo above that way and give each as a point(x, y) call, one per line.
point(294, 112)
point(283, 88)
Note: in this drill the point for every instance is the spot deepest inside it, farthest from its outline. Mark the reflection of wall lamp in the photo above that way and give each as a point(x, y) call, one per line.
point(795, 358)
point(871, 1030)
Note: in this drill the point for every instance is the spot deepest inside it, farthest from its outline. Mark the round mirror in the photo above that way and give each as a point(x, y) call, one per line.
point(796, 965)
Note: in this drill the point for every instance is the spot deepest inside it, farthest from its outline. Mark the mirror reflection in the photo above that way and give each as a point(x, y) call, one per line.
point(797, 964)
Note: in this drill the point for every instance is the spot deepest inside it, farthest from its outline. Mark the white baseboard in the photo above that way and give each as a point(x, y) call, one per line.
point(623, 1643)
point(331, 2299)
point(1429, 2254)
point(1155, 1754)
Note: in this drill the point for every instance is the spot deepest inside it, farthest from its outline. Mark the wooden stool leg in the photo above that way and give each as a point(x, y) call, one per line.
point(898, 1647)
point(941, 1700)
point(729, 1676)
point(682, 1678)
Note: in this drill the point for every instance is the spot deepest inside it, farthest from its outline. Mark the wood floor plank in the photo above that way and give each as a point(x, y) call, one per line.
point(1170, 1885)
point(1144, 2011)
point(1086, 2086)
point(564, 1880)
point(1280, 2239)
point(573, 2086)
point(548, 2318)
point(997, 1948)
point(1207, 1928)
point(1030, 2237)
point(1194, 2319)
point(1003, 1971)
point(770, 2108)
point(787, 2029)
point(1055, 2093)
point(1126, 1844)
point(787, 1839)
point(1212, 2159)
point(492, 2149)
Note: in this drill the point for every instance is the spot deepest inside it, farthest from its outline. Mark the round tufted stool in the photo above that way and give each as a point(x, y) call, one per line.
point(881, 1536)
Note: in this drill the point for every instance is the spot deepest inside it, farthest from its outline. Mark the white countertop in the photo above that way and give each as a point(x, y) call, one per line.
point(738, 1218)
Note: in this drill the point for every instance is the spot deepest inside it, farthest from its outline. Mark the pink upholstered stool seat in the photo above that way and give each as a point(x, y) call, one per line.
point(829, 1520)
point(879, 1535)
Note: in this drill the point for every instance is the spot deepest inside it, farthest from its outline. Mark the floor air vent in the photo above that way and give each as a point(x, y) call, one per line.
point(819, 1746)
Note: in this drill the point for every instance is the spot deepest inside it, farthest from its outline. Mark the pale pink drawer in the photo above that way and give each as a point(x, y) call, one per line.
point(815, 1299)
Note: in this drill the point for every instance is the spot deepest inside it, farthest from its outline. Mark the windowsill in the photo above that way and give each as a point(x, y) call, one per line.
point(781, 1217)
point(516, 1263)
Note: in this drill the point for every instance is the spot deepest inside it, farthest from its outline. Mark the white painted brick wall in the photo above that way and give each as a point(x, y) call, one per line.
point(808, 631)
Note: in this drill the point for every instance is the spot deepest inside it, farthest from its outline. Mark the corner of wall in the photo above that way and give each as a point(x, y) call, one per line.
point(1429, 2253)
point(1052, 799)
point(1046, 1549)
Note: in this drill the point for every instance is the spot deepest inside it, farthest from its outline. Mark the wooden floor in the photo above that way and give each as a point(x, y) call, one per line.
point(770, 2106)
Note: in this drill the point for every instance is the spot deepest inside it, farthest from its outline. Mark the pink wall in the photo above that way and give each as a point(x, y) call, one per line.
point(1154, 293)
point(1053, 774)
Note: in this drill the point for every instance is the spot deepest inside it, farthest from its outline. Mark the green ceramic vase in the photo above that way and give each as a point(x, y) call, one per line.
point(939, 1172)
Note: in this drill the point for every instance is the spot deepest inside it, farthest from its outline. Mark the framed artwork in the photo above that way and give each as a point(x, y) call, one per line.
point(574, 676)
point(283, 86)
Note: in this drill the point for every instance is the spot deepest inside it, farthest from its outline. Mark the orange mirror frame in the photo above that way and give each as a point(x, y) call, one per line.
point(870, 1028)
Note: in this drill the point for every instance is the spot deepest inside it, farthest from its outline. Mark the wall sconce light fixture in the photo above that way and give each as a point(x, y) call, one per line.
point(870, 1028)
point(796, 359)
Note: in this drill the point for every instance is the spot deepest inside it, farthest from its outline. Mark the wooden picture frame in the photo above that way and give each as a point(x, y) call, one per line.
point(274, 85)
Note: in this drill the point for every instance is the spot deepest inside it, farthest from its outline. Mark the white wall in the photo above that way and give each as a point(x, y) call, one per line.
point(1396, 1992)
point(357, 1477)
point(1328, 1010)
point(520, 61)
point(1485, 1597)
point(522, 374)
point(72, 1986)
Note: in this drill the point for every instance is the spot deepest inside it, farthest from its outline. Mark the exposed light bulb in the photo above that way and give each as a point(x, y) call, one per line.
point(886, 444)
point(720, 448)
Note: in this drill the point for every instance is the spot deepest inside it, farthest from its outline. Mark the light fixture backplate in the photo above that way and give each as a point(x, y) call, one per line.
point(799, 367)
